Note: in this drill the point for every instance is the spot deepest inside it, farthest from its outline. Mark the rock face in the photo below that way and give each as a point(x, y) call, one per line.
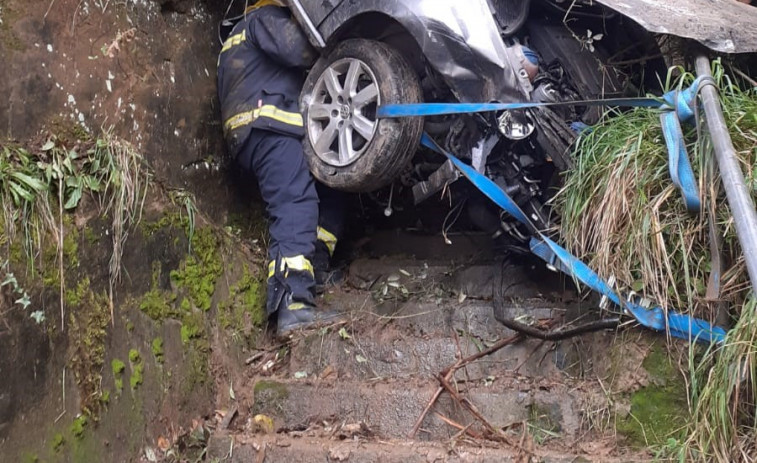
point(147, 68)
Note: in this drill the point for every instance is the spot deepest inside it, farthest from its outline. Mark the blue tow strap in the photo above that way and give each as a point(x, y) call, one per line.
point(676, 106)
point(678, 325)
point(682, 103)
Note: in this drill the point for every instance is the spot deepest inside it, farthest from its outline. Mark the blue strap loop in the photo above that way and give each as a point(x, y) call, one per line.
point(678, 325)
point(681, 107)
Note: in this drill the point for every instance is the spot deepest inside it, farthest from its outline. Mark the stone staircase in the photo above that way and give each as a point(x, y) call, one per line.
point(355, 392)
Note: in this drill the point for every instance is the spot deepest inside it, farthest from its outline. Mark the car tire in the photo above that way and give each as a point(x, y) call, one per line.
point(346, 146)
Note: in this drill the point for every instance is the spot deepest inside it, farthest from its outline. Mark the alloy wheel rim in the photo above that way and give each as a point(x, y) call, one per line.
point(342, 113)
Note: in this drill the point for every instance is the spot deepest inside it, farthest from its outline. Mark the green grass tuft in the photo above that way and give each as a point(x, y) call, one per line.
point(622, 214)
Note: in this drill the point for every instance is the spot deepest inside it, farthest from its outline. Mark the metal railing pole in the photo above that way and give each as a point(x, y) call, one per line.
point(737, 193)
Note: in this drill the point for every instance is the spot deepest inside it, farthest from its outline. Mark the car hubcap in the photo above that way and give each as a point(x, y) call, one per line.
point(342, 114)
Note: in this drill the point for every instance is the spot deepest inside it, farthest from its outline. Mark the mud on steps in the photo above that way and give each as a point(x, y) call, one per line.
point(307, 448)
point(412, 315)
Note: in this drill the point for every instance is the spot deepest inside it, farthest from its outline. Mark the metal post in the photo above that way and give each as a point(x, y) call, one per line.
point(737, 193)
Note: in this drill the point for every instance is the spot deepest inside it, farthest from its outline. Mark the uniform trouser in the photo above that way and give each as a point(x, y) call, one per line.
point(331, 215)
point(289, 193)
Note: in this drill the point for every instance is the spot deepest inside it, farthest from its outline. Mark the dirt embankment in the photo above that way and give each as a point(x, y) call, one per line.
point(147, 68)
point(125, 371)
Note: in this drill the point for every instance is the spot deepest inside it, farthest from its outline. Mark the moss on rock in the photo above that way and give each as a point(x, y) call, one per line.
point(137, 369)
point(245, 308)
point(269, 397)
point(157, 350)
point(199, 272)
point(78, 426)
point(89, 314)
point(158, 303)
point(660, 409)
point(58, 442)
point(118, 367)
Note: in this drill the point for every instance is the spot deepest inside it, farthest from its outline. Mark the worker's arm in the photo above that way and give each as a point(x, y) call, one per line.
point(282, 39)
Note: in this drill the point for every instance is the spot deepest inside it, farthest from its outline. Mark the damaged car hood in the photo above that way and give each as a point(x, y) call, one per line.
point(727, 26)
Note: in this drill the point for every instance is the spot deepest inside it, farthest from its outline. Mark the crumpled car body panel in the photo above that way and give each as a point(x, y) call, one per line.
point(462, 41)
point(459, 39)
point(726, 26)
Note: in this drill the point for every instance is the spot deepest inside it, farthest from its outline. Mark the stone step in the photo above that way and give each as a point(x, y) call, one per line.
point(389, 353)
point(239, 448)
point(421, 336)
point(435, 315)
point(518, 281)
point(391, 408)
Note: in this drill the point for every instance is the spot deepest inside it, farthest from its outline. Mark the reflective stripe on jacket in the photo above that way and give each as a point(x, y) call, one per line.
point(261, 70)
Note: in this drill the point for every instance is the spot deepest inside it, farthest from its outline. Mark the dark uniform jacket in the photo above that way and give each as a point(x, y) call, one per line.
point(261, 70)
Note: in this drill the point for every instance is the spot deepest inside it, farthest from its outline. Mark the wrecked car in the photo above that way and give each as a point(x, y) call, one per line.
point(378, 52)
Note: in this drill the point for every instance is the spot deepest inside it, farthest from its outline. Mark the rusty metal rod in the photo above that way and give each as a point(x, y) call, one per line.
point(737, 193)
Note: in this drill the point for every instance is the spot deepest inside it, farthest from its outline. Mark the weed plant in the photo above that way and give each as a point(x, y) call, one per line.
point(622, 214)
point(40, 184)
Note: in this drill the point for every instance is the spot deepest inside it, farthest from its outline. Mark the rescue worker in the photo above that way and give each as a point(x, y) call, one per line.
point(261, 70)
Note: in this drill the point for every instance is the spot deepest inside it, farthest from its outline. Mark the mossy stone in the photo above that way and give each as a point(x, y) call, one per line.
point(269, 397)
point(660, 410)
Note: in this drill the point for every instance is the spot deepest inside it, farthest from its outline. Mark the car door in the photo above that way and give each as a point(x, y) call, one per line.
point(310, 14)
point(317, 10)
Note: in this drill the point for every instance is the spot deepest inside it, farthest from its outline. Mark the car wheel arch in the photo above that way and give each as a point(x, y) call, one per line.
point(380, 26)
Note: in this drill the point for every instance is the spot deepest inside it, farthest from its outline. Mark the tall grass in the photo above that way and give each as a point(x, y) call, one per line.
point(724, 426)
point(40, 184)
point(621, 213)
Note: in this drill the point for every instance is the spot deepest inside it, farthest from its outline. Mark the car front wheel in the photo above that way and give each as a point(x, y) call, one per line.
point(347, 146)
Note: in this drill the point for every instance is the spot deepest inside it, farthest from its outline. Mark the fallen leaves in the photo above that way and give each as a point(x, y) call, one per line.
point(115, 45)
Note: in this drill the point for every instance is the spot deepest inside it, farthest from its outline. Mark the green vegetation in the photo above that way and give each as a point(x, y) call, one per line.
point(542, 425)
point(157, 350)
point(620, 209)
point(245, 308)
point(58, 442)
point(199, 272)
point(39, 185)
point(137, 368)
point(78, 426)
point(659, 410)
point(118, 367)
point(621, 213)
point(89, 315)
point(192, 327)
point(723, 389)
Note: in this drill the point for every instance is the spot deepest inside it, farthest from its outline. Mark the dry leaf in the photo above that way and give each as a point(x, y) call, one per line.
point(329, 373)
point(263, 423)
point(163, 443)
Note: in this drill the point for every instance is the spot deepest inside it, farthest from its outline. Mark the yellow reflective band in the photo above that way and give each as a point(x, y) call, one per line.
point(269, 111)
point(286, 117)
point(296, 306)
point(296, 263)
point(234, 40)
point(262, 3)
point(328, 239)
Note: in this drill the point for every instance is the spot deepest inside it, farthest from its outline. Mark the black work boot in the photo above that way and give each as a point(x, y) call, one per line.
point(307, 317)
point(324, 275)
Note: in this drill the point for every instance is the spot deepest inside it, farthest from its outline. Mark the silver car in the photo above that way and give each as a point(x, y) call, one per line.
point(377, 52)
